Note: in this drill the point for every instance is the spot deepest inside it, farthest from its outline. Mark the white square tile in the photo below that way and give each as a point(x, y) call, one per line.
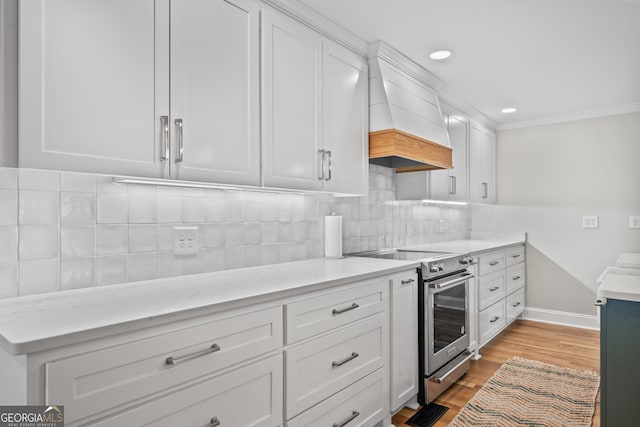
point(165, 236)
point(214, 235)
point(297, 208)
point(168, 265)
point(9, 243)
point(111, 269)
point(105, 184)
point(214, 209)
point(299, 231)
point(39, 180)
point(38, 207)
point(77, 208)
point(234, 210)
point(270, 207)
point(193, 264)
point(269, 232)
point(78, 182)
point(192, 192)
point(284, 208)
point(162, 190)
point(253, 207)
point(77, 241)
point(252, 255)
point(299, 251)
point(112, 208)
point(142, 238)
point(8, 279)
point(214, 259)
point(37, 277)
point(169, 209)
point(234, 257)
point(38, 242)
point(142, 209)
point(77, 273)
point(112, 239)
point(8, 207)
point(285, 232)
point(141, 266)
point(9, 178)
point(142, 189)
point(234, 234)
point(270, 253)
point(193, 209)
point(285, 252)
point(252, 233)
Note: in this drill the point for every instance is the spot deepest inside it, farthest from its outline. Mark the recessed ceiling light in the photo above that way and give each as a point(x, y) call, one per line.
point(509, 110)
point(437, 55)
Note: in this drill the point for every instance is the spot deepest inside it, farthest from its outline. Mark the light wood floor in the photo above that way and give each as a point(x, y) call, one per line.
point(559, 345)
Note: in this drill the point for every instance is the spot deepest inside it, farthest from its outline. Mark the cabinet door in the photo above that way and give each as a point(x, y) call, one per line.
point(451, 184)
point(404, 340)
point(291, 103)
point(214, 90)
point(345, 119)
point(476, 189)
point(489, 166)
point(93, 84)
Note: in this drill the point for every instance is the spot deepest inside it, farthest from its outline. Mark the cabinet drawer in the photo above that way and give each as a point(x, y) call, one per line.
point(94, 382)
point(515, 277)
point(322, 367)
point(488, 263)
point(330, 310)
point(492, 321)
point(515, 255)
point(515, 304)
point(491, 289)
point(363, 402)
point(249, 396)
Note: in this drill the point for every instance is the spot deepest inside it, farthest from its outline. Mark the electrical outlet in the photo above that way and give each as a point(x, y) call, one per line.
point(185, 240)
point(634, 221)
point(590, 221)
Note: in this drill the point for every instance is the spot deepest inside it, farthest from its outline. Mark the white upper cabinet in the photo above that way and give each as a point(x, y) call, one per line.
point(89, 74)
point(482, 165)
point(215, 90)
point(314, 110)
point(452, 184)
point(106, 84)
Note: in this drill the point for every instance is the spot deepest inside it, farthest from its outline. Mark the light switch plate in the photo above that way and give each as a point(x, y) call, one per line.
point(185, 240)
point(634, 221)
point(590, 221)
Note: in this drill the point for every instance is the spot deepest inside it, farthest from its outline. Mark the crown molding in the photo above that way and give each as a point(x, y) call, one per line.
point(320, 23)
point(578, 115)
point(466, 110)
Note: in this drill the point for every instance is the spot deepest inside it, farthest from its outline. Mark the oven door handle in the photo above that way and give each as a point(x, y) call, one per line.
point(453, 282)
point(439, 380)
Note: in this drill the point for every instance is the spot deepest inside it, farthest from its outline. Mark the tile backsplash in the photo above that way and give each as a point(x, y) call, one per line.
point(65, 230)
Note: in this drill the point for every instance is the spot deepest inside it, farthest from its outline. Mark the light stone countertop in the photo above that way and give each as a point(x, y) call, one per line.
point(619, 283)
point(45, 321)
point(471, 245)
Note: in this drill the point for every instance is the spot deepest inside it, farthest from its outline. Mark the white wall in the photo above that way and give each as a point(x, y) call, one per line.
point(8, 82)
point(548, 178)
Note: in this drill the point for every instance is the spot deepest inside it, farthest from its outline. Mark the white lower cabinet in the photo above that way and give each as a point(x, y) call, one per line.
point(492, 321)
point(249, 396)
point(360, 405)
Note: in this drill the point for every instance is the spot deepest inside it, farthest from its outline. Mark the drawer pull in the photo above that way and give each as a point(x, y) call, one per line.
point(494, 263)
point(407, 281)
point(515, 256)
point(345, 360)
point(174, 360)
point(515, 304)
point(494, 320)
point(495, 288)
point(344, 310)
point(515, 278)
point(353, 416)
point(215, 422)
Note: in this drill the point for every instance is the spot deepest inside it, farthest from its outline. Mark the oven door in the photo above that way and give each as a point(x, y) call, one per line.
point(447, 319)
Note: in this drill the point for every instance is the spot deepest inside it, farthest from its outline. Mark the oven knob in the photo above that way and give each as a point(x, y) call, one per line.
point(433, 268)
point(441, 266)
point(463, 261)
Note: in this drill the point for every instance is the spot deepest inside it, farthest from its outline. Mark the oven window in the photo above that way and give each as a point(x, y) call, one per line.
point(449, 316)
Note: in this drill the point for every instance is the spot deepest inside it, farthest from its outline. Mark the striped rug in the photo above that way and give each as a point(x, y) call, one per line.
point(528, 393)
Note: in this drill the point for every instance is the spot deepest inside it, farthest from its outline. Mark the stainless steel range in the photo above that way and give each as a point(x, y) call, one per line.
point(443, 323)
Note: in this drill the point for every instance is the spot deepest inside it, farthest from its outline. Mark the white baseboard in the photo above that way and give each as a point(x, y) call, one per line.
point(565, 318)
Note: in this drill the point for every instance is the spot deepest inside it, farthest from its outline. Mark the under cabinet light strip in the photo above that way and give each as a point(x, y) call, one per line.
point(193, 184)
point(444, 202)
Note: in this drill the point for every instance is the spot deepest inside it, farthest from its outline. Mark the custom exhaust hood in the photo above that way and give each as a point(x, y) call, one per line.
point(406, 129)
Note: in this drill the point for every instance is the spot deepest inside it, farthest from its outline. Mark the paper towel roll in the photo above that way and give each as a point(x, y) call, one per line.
point(333, 236)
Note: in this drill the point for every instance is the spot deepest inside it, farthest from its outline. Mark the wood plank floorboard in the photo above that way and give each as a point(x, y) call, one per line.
point(559, 345)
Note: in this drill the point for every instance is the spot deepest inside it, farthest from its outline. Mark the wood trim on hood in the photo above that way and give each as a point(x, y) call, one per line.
point(420, 154)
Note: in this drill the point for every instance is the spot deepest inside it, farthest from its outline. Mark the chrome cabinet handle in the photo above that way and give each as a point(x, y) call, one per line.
point(515, 304)
point(164, 123)
point(515, 256)
point(494, 320)
point(180, 139)
point(344, 310)
point(215, 422)
point(329, 167)
point(494, 263)
point(600, 303)
point(407, 281)
point(335, 364)
point(485, 190)
point(353, 416)
point(321, 165)
point(455, 184)
point(175, 360)
point(451, 185)
point(515, 277)
point(495, 288)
